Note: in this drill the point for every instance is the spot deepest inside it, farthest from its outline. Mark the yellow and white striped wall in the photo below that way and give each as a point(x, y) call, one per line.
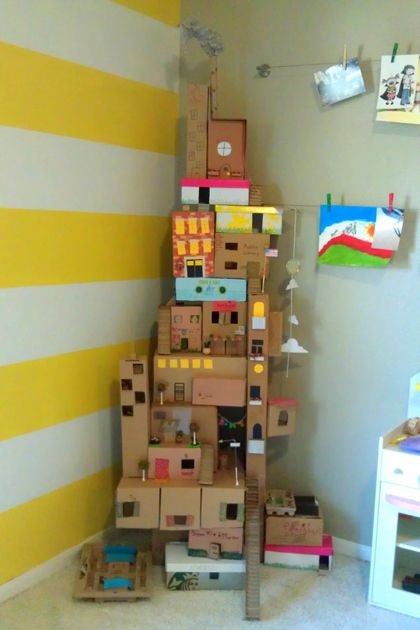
point(88, 115)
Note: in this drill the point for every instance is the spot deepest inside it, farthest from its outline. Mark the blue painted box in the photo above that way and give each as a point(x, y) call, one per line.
point(210, 289)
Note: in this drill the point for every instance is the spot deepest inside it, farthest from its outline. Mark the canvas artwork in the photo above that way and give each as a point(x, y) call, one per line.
point(397, 84)
point(338, 83)
point(354, 236)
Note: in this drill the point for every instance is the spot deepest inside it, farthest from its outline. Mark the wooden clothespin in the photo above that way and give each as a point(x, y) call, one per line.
point(345, 57)
point(394, 52)
point(390, 202)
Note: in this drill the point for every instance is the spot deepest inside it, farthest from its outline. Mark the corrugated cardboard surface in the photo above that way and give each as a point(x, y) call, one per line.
point(232, 263)
point(230, 540)
point(173, 455)
point(294, 530)
point(211, 505)
point(275, 329)
point(180, 501)
point(223, 392)
point(134, 428)
point(197, 115)
point(148, 497)
point(232, 132)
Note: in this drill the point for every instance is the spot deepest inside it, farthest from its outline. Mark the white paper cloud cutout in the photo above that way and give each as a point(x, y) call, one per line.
point(292, 284)
point(293, 320)
point(292, 346)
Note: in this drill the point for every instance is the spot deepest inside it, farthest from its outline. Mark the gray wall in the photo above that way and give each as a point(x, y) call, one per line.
point(360, 325)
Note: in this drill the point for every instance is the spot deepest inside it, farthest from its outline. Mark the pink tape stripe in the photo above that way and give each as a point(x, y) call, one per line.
point(215, 183)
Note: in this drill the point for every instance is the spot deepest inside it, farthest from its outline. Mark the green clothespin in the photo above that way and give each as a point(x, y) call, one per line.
point(394, 52)
point(329, 202)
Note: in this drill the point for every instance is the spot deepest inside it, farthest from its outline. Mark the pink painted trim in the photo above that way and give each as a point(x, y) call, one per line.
point(326, 549)
point(404, 504)
point(215, 183)
point(283, 402)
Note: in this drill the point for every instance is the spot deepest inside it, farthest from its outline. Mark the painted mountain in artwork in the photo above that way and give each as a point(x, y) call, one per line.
point(346, 235)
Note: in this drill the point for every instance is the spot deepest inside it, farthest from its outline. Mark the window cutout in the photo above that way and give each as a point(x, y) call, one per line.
point(126, 384)
point(229, 264)
point(187, 464)
point(179, 392)
point(234, 317)
point(231, 511)
point(257, 431)
point(254, 391)
point(214, 576)
point(180, 519)
point(140, 397)
point(130, 509)
point(127, 410)
point(233, 246)
point(138, 368)
point(215, 317)
point(257, 346)
point(258, 310)
point(257, 222)
point(203, 195)
point(283, 419)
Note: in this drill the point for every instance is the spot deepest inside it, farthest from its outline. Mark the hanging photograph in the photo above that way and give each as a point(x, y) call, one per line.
point(408, 117)
point(347, 233)
point(339, 82)
point(397, 84)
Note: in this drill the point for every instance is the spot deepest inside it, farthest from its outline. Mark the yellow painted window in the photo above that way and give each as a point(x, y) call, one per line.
point(179, 226)
point(190, 263)
point(208, 364)
point(258, 309)
point(161, 363)
point(207, 246)
point(194, 247)
point(205, 227)
point(192, 225)
point(196, 364)
point(180, 246)
point(173, 363)
point(184, 363)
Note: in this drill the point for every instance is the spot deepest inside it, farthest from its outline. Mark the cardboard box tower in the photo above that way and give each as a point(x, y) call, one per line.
point(187, 454)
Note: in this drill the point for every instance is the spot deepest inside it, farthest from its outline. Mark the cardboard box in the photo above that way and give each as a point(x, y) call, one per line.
point(135, 413)
point(224, 543)
point(258, 325)
point(180, 506)
point(316, 558)
point(223, 503)
point(184, 414)
point(185, 573)
point(226, 148)
point(164, 329)
point(248, 219)
point(215, 191)
point(137, 504)
point(233, 252)
point(210, 289)
point(176, 373)
point(224, 319)
point(275, 333)
point(193, 244)
point(197, 115)
point(186, 323)
point(294, 530)
point(222, 392)
point(281, 416)
point(174, 461)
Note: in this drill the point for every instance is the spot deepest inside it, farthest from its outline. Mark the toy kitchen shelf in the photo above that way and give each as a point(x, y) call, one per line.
point(396, 532)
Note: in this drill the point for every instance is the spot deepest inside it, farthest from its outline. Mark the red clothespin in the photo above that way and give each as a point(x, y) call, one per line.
point(390, 202)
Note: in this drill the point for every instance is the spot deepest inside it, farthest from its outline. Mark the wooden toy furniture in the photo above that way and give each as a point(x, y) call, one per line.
point(396, 529)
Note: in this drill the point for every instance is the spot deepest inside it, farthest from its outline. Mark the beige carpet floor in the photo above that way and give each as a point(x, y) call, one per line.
point(292, 599)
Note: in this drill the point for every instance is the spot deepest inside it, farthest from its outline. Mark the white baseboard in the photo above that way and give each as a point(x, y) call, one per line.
point(352, 549)
point(42, 571)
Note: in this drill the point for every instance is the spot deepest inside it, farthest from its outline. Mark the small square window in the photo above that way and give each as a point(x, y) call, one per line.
point(140, 397)
point(126, 384)
point(138, 368)
point(283, 418)
point(230, 264)
point(231, 246)
point(234, 317)
point(130, 509)
point(127, 410)
point(215, 317)
point(214, 576)
point(188, 464)
point(231, 511)
point(180, 519)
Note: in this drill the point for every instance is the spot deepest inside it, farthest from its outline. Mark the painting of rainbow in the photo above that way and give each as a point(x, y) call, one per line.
point(347, 235)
